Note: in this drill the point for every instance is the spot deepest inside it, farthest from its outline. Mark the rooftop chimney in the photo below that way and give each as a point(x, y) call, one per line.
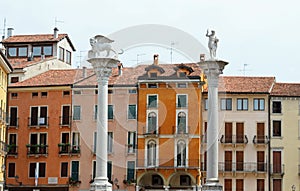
point(84, 72)
point(55, 32)
point(10, 32)
point(120, 66)
point(202, 57)
point(155, 59)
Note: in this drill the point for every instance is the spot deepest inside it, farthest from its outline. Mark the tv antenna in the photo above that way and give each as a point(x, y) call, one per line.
point(171, 50)
point(4, 28)
point(137, 58)
point(244, 69)
point(57, 21)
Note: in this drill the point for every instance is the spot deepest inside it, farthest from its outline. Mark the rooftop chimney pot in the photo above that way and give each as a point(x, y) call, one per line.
point(55, 32)
point(155, 59)
point(10, 32)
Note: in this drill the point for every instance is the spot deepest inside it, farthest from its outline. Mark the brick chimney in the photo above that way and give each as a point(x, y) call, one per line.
point(155, 59)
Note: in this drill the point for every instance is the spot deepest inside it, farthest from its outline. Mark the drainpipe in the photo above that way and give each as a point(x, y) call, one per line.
point(269, 142)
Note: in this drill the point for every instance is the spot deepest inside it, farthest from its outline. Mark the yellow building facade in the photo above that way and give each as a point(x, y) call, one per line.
point(5, 69)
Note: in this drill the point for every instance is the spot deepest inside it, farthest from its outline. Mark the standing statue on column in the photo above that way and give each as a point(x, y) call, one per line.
point(212, 43)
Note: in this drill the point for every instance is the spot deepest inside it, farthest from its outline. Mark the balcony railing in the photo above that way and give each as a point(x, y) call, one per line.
point(12, 149)
point(234, 139)
point(75, 149)
point(277, 169)
point(242, 167)
point(37, 149)
point(38, 122)
point(168, 163)
point(181, 130)
point(131, 148)
point(66, 148)
point(150, 131)
point(260, 139)
point(13, 122)
point(65, 120)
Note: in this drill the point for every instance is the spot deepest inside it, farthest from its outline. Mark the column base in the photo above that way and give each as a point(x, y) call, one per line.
point(212, 185)
point(101, 184)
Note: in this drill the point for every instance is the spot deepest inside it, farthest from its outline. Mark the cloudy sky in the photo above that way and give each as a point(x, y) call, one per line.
point(261, 37)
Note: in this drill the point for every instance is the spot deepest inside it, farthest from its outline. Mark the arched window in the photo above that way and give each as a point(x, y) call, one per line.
point(181, 122)
point(152, 120)
point(151, 153)
point(181, 153)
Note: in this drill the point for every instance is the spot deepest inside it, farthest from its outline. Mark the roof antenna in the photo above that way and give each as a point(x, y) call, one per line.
point(244, 69)
point(4, 28)
point(57, 21)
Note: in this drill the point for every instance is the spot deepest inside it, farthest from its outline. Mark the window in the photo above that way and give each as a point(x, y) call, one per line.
point(66, 93)
point(242, 104)
point(44, 94)
point(205, 104)
point(228, 185)
point(152, 121)
point(14, 95)
point(17, 51)
point(239, 184)
point(13, 122)
point(181, 153)
point(47, 50)
point(132, 91)
point(77, 92)
point(110, 91)
point(96, 92)
point(182, 74)
point(152, 85)
point(14, 79)
point(130, 170)
point(276, 128)
point(152, 101)
point(35, 94)
point(61, 54)
point(94, 169)
point(226, 104)
point(151, 153)
point(239, 160)
point(12, 144)
point(65, 143)
point(153, 75)
point(276, 107)
point(75, 142)
point(277, 185)
point(11, 170)
point(260, 132)
point(38, 143)
point(260, 184)
point(64, 169)
point(181, 122)
point(157, 180)
point(260, 161)
point(37, 50)
point(40, 166)
point(76, 112)
point(110, 111)
point(131, 142)
point(95, 142)
point(181, 85)
point(75, 170)
point(110, 140)
point(181, 101)
point(131, 111)
point(109, 170)
point(277, 166)
point(258, 104)
point(185, 180)
point(68, 57)
point(39, 116)
point(65, 115)
point(95, 112)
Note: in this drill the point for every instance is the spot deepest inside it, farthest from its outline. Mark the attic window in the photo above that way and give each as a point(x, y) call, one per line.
point(153, 75)
point(14, 95)
point(154, 85)
point(35, 94)
point(182, 74)
point(14, 79)
point(66, 93)
point(181, 85)
point(44, 94)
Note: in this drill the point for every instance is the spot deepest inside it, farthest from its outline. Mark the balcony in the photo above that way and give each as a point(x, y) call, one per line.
point(247, 167)
point(181, 130)
point(38, 122)
point(131, 149)
point(168, 164)
point(234, 139)
point(37, 149)
point(13, 122)
point(260, 140)
point(65, 121)
point(12, 150)
point(67, 149)
point(277, 169)
point(150, 132)
point(75, 150)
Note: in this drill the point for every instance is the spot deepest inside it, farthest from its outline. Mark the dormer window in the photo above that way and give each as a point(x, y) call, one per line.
point(17, 51)
point(42, 50)
point(182, 74)
point(153, 75)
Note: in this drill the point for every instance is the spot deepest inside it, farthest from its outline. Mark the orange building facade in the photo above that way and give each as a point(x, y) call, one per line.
point(169, 121)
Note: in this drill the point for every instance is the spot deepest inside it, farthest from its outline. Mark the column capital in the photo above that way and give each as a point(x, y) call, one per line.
point(103, 67)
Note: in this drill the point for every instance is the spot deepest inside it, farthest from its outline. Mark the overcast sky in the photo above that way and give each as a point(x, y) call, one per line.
point(262, 35)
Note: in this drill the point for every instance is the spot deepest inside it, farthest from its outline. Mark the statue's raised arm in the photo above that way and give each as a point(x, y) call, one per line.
point(212, 43)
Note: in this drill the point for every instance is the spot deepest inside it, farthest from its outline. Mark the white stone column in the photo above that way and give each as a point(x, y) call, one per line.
point(212, 69)
point(103, 68)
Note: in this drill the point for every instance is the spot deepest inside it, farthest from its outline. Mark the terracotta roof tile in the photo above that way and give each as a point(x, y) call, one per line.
point(52, 78)
point(244, 84)
point(20, 63)
point(34, 38)
point(286, 89)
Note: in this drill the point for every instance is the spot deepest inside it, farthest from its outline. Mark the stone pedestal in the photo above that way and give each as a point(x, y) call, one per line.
point(212, 69)
point(103, 68)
